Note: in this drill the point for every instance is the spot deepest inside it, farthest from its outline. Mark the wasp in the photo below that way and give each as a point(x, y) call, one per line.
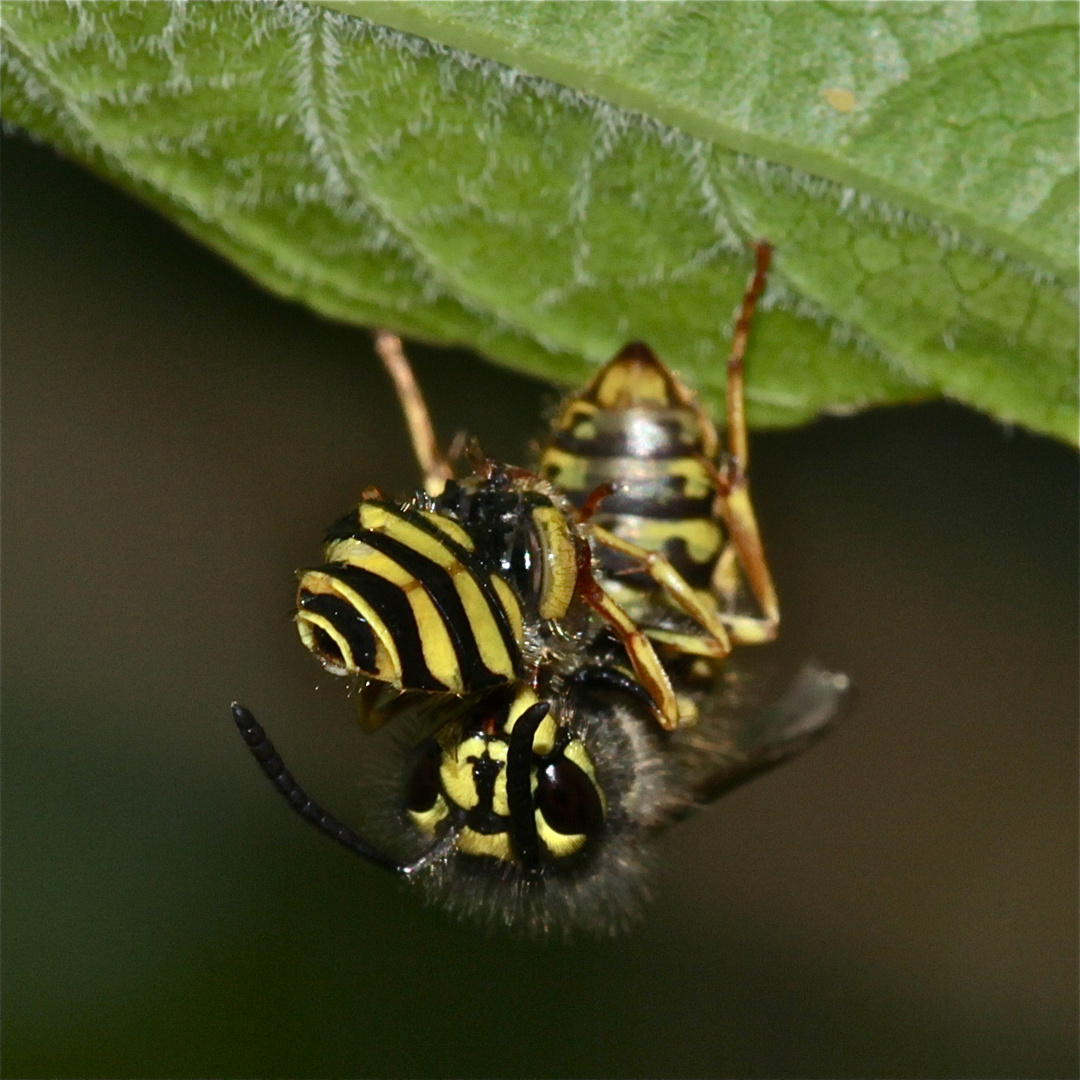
point(677, 533)
point(540, 812)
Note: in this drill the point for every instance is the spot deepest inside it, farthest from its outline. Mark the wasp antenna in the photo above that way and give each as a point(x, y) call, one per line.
point(519, 787)
point(263, 751)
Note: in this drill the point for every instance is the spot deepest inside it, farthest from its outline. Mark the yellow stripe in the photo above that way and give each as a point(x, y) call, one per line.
point(510, 606)
point(451, 528)
point(387, 660)
point(627, 383)
point(704, 538)
point(577, 473)
point(435, 642)
point(381, 519)
point(305, 620)
point(576, 411)
point(485, 629)
point(574, 471)
point(575, 751)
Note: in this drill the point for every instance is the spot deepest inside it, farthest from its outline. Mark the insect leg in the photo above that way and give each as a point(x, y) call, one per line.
point(435, 467)
point(638, 648)
point(734, 500)
point(674, 585)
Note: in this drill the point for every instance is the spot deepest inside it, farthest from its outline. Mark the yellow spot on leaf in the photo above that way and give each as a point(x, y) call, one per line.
point(843, 101)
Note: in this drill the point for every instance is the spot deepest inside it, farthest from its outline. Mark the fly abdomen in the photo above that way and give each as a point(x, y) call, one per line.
point(401, 599)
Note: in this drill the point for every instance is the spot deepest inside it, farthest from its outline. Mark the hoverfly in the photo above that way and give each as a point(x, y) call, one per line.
point(506, 628)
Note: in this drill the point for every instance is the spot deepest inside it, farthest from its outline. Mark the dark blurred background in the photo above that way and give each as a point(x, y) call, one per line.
point(902, 901)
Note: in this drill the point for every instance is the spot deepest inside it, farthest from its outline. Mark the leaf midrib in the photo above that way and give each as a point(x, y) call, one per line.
point(538, 63)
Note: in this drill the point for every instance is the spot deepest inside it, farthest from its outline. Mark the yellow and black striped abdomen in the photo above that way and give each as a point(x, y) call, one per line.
point(403, 599)
point(635, 425)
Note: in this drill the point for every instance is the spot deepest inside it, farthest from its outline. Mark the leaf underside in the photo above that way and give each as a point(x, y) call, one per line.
point(916, 173)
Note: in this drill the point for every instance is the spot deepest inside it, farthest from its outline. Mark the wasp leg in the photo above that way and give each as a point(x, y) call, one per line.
point(263, 751)
point(436, 469)
point(674, 585)
point(638, 648)
point(607, 677)
point(734, 500)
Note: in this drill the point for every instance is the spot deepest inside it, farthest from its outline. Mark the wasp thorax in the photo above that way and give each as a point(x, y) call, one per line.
point(517, 787)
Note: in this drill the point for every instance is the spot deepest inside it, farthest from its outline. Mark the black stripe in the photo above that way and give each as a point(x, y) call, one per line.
point(348, 528)
point(347, 621)
point(344, 528)
point(479, 572)
point(625, 444)
point(658, 504)
point(438, 585)
point(393, 607)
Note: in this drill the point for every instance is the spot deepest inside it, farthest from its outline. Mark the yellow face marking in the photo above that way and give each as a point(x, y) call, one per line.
point(427, 820)
point(510, 605)
point(451, 528)
point(559, 844)
point(560, 562)
point(704, 538)
point(456, 769)
point(485, 629)
point(544, 739)
point(456, 772)
point(435, 642)
point(499, 802)
point(387, 661)
point(470, 842)
point(544, 736)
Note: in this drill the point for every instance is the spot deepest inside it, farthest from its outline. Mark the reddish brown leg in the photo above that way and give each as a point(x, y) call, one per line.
point(435, 467)
point(735, 506)
point(596, 497)
point(642, 655)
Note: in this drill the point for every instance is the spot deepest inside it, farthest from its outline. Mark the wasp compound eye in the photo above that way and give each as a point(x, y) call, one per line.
point(569, 799)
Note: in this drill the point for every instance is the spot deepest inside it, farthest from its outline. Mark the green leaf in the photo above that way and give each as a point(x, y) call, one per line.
point(915, 167)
